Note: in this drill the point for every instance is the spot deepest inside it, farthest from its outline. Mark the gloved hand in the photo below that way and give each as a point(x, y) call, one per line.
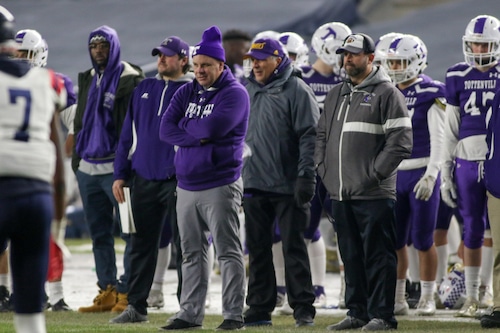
point(424, 187)
point(304, 190)
point(448, 191)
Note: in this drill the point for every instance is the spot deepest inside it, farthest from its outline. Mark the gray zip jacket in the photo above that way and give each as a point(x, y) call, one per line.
point(363, 134)
point(281, 133)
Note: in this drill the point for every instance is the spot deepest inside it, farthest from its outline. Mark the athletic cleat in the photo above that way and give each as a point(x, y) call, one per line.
point(155, 299)
point(285, 310)
point(280, 299)
point(320, 302)
point(426, 307)
point(401, 308)
point(485, 297)
point(469, 308)
point(5, 302)
point(60, 306)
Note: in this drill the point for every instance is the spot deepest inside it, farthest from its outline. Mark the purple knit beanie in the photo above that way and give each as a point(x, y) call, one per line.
point(211, 44)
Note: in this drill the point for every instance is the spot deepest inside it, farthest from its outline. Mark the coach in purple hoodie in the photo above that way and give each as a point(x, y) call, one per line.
point(146, 164)
point(207, 121)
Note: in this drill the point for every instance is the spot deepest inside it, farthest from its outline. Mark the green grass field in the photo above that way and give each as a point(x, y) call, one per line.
point(58, 322)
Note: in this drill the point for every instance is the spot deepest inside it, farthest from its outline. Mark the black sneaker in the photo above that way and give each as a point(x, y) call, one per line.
point(257, 318)
point(61, 306)
point(491, 321)
point(179, 324)
point(348, 323)
point(230, 325)
point(306, 320)
point(5, 303)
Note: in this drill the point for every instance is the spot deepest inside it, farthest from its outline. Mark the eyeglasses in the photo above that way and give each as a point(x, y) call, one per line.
point(102, 46)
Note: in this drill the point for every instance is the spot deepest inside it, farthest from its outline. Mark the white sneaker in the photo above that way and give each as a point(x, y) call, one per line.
point(401, 308)
point(485, 297)
point(469, 308)
point(155, 299)
point(285, 310)
point(320, 302)
point(426, 307)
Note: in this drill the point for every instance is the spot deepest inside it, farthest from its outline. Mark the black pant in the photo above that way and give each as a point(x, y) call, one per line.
point(366, 232)
point(260, 213)
point(153, 203)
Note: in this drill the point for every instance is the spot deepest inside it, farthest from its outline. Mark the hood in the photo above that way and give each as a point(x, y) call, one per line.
point(377, 76)
point(111, 36)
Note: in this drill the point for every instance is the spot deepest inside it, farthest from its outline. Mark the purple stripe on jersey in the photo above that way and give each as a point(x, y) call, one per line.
point(479, 26)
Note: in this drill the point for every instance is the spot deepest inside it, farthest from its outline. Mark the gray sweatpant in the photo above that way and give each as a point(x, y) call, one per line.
point(200, 213)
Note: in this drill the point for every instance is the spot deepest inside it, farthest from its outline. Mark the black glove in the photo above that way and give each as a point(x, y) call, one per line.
point(305, 188)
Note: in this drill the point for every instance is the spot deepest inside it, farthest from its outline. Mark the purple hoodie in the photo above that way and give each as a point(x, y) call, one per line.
point(218, 116)
point(97, 140)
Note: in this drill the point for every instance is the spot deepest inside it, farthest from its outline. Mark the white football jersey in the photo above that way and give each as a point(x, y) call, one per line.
point(27, 106)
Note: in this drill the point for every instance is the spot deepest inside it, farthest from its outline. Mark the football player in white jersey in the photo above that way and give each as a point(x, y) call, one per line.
point(31, 155)
point(33, 48)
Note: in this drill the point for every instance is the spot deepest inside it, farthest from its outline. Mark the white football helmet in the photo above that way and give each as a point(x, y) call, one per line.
point(382, 45)
point(295, 44)
point(405, 58)
point(327, 39)
point(482, 29)
point(31, 41)
point(267, 34)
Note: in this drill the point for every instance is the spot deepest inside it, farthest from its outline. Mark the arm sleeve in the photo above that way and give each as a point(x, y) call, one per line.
point(435, 119)
point(450, 140)
point(67, 117)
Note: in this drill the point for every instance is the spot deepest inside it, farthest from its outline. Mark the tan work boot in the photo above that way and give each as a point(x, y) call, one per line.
point(121, 303)
point(103, 302)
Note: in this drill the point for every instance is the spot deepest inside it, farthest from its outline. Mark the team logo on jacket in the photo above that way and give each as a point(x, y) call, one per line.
point(367, 100)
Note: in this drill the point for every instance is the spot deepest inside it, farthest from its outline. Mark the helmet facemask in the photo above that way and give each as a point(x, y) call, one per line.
point(481, 41)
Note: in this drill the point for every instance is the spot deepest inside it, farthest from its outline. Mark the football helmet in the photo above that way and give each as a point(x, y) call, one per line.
point(327, 39)
point(31, 41)
point(267, 34)
point(295, 44)
point(405, 58)
point(7, 32)
point(482, 29)
point(382, 45)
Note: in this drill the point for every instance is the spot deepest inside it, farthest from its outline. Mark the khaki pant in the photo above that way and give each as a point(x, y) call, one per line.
point(494, 217)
